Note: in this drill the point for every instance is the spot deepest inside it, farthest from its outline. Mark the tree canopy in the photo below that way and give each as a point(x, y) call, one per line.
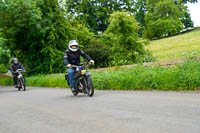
point(95, 13)
point(162, 18)
point(38, 31)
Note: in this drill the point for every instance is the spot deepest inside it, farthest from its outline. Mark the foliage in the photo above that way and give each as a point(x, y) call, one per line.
point(162, 18)
point(4, 56)
point(183, 77)
point(140, 7)
point(3, 69)
point(38, 33)
point(98, 51)
point(81, 33)
point(186, 20)
point(95, 14)
point(147, 56)
point(189, 1)
point(122, 36)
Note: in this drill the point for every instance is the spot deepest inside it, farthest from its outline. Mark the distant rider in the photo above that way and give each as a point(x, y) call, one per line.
point(16, 65)
point(72, 57)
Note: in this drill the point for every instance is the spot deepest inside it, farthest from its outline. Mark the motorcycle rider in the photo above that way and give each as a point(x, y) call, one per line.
point(72, 57)
point(16, 65)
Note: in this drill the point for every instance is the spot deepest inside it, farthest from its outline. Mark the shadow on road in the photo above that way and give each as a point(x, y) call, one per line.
point(2, 91)
point(71, 96)
point(10, 89)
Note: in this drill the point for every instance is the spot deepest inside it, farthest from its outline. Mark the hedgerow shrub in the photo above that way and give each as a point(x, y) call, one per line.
point(186, 76)
point(3, 69)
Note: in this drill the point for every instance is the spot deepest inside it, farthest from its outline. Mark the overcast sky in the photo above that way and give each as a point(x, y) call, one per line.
point(195, 13)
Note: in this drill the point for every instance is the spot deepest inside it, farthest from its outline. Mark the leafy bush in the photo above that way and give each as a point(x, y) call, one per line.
point(3, 69)
point(122, 36)
point(6, 81)
point(145, 57)
point(99, 52)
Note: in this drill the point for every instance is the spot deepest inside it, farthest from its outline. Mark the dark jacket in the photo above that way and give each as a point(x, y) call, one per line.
point(74, 57)
point(14, 67)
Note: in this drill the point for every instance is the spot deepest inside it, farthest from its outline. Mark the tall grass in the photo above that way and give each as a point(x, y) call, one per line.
point(186, 76)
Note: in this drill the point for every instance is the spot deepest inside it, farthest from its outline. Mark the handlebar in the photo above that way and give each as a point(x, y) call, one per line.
point(19, 70)
point(82, 64)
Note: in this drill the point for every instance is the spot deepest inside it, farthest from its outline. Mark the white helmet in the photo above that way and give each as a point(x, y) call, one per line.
point(73, 45)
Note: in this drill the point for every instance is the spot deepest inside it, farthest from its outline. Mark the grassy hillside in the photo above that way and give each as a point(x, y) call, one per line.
point(179, 46)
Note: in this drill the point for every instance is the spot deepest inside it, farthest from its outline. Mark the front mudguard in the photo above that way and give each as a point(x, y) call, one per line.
point(87, 74)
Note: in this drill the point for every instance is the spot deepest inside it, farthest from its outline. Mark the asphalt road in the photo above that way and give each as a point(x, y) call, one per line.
point(51, 110)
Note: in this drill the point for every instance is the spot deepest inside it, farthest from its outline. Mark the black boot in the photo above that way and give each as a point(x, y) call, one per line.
point(73, 89)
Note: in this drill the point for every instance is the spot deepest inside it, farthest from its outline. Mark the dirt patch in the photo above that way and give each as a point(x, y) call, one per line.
point(5, 76)
point(174, 62)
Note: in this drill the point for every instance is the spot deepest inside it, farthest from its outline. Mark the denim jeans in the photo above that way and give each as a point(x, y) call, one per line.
point(71, 73)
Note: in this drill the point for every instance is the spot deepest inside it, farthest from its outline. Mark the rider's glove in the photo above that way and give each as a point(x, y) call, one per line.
point(92, 62)
point(69, 66)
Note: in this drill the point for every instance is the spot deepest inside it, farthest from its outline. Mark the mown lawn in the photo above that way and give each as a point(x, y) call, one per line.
point(179, 46)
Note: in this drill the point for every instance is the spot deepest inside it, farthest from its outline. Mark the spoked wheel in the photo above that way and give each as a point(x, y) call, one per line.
point(89, 86)
point(22, 84)
point(19, 85)
point(79, 86)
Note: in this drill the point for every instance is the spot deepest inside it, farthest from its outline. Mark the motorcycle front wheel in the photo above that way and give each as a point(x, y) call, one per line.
point(22, 84)
point(89, 86)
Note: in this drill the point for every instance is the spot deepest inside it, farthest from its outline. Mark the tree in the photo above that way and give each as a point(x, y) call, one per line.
point(140, 12)
point(38, 33)
point(189, 1)
point(19, 21)
point(186, 20)
point(95, 13)
point(122, 35)
point(99, 52)
point(162, 18)
point(4, 56)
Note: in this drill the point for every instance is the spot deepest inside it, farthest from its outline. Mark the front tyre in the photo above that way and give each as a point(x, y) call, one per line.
point(89, 86)
point(22, 84)
point(19, 85)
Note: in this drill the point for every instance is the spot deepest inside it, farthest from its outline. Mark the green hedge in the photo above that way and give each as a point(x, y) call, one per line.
point(6, 81)
point(186, 76)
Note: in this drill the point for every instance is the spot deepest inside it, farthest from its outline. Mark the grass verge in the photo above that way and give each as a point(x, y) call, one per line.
point(186, 76)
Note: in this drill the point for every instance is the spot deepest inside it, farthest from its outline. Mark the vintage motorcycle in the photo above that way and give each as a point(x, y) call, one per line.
point(20, 80)
point(83, 81)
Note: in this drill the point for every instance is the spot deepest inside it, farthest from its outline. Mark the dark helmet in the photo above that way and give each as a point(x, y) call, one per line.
point(15, 61)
